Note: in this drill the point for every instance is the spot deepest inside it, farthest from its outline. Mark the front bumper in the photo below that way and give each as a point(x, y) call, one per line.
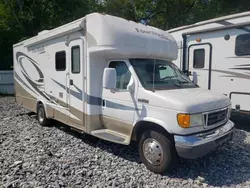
point(198, 145)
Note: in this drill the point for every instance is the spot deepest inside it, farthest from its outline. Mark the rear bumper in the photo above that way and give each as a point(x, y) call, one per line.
point(194, 146)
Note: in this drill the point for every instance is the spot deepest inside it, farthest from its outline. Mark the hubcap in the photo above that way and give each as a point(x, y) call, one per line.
point(153, 151)
point(41, 115)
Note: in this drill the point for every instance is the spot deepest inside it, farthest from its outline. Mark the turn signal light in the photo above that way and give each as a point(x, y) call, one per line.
point(183, 120)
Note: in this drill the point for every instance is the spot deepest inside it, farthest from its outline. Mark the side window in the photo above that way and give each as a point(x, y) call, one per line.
point(199, 58)
point(123, 74)
point(75, 59)
point(61, 61)
point(242, 45)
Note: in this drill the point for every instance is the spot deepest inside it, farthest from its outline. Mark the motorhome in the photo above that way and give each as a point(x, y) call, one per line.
point(215, 53)
point(114, 79)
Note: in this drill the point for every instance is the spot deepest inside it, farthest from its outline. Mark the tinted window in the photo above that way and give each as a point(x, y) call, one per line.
point(122, 73)
point(199, 58)
point(61, 61)
point(75, 59)
point(242, 46)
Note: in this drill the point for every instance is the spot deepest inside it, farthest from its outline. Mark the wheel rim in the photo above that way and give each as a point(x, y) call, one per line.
point(41, 115)
point(152, 151)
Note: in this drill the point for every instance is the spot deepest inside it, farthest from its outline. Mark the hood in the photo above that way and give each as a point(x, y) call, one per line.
point(191, 100)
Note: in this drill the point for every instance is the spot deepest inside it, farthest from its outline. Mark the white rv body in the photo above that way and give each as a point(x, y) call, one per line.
point(63, 70)
point(223, 46)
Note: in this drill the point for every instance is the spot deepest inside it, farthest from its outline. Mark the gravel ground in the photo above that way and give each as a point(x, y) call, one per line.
point(35, 156)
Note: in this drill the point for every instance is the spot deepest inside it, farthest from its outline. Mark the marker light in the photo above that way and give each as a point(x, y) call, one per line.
point(198, 40)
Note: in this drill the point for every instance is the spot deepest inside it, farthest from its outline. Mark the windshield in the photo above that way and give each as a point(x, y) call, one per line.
point(160, 74)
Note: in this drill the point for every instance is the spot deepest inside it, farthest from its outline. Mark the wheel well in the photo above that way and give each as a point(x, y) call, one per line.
point(142, 126)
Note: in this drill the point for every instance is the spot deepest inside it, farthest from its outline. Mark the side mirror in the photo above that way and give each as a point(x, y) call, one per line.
point(109, 78)
point(131, 85)
point(195, 78)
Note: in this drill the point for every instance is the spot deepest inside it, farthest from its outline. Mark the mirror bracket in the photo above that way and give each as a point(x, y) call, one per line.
point(131, 85)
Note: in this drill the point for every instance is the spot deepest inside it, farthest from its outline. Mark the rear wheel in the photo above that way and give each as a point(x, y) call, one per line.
point(41, 115)
point(157, 152)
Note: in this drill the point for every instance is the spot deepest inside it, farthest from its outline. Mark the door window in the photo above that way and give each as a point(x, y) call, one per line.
point(242, 46)
point(61, 61)
point(75, 59)
point(199, 58)
point(123, 74)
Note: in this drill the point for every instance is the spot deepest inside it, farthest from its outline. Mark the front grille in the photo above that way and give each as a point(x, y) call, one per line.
point(216, 117)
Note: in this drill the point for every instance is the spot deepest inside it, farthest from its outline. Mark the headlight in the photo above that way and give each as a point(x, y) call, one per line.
point(187, 120)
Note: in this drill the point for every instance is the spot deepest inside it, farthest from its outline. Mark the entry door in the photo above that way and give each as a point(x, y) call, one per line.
point(75, 82)
point(199, 63)
point(119, 106)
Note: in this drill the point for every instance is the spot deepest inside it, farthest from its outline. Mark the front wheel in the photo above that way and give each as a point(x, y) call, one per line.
point(157, 152)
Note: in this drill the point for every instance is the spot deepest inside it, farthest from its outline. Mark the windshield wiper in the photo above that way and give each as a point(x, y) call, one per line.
point(167, 78)
point(184, 82)
point(177, 85)
point(187, 82)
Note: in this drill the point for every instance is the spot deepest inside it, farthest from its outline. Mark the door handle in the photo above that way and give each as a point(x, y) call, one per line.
point(71, 82)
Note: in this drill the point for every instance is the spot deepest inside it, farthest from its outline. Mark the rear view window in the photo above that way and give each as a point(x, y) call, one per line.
point(199, 58)
point(61, 61)
point(242, 46)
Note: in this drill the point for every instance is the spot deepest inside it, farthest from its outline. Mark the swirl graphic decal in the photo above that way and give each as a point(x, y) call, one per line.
point(23, 60)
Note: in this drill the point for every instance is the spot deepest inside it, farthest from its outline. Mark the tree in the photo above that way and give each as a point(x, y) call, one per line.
point(163, 14)
point(21, 19)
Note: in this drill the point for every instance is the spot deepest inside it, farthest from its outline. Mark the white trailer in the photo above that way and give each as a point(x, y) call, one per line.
point(216, 55)
point(113, 78)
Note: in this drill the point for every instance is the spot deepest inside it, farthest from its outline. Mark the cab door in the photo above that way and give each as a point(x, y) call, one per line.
point(119, 106)
point(199, 64)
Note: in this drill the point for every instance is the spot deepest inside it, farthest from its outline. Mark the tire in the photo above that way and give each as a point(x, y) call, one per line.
point(41, 116)
point(162, 157)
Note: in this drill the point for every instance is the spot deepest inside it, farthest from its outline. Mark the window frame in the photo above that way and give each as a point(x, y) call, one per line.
point(119, 89)
point(235, 48)
point(61, 70)
point(204, 52)
point(72, 48)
